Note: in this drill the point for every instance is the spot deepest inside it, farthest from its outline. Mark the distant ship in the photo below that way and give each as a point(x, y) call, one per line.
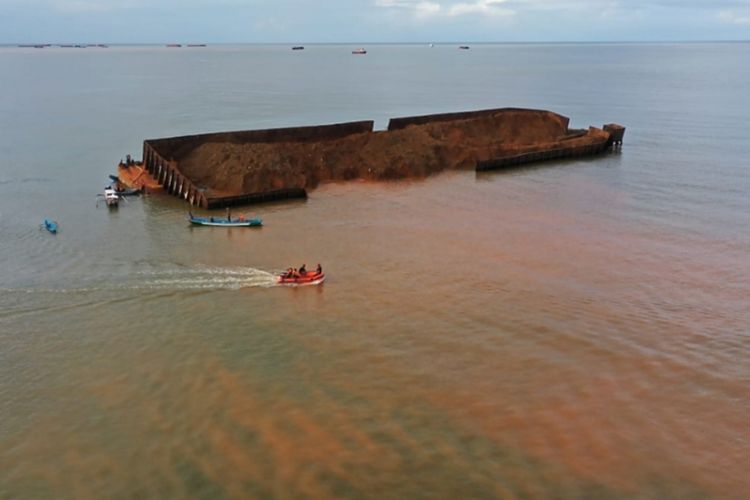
point(174, 45)
point(196, 45)
point(359, 51)
point(464, 47)
point(298, 47)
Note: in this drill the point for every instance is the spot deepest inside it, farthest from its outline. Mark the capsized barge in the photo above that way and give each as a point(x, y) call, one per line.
point(235, 168)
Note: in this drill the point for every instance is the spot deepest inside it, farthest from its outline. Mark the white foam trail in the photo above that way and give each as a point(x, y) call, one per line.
point(174, 279)
point(208, 278)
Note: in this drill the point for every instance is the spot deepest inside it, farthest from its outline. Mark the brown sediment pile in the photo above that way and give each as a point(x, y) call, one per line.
point(227, 168)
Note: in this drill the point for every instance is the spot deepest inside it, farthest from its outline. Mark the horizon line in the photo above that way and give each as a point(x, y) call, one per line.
point(515, 42)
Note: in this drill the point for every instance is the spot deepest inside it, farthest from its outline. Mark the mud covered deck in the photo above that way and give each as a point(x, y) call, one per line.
point(134, 175)
point(234, 168)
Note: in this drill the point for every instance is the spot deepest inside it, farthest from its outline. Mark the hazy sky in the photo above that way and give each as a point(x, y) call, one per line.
point(288, 21)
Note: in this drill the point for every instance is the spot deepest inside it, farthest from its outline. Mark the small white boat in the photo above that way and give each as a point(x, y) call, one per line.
point(111, 197)
point(359, 51)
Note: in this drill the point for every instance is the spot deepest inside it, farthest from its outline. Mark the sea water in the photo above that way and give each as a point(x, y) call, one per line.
point(574, 328)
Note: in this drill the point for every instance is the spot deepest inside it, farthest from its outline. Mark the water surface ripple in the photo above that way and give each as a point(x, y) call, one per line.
point(573, 329)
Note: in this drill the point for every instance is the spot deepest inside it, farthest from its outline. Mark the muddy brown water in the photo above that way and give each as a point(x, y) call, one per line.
point(572, 329)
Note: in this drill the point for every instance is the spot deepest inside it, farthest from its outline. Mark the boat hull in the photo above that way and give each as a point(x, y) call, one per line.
point(206, 221)
point(129, 192)
point(305, 279)
point(50, 226)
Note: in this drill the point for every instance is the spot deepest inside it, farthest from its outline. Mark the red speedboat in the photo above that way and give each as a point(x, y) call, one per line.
point(308, 278)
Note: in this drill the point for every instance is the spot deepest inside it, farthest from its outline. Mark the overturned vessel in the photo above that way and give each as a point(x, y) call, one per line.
point(233, 168)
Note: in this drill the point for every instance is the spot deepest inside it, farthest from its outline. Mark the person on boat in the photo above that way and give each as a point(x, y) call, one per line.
point(229, 215)
point(190, 214)
point(302, 270)
point(318, 269)
point(289, 273)
point(212, 218)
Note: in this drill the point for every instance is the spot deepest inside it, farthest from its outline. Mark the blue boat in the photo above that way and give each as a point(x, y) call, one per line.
point(50, 226)
point(225, 221)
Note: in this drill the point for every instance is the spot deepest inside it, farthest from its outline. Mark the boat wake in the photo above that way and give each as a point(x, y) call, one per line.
point(174, 279)
point(25, 180)
point(210, 278)
point(158, 279)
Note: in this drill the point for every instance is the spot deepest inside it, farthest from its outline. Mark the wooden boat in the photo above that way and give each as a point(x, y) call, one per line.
point(225, 222)
point(50, 226)
point(129, 192)
point(308, 278)
point(121, 190)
